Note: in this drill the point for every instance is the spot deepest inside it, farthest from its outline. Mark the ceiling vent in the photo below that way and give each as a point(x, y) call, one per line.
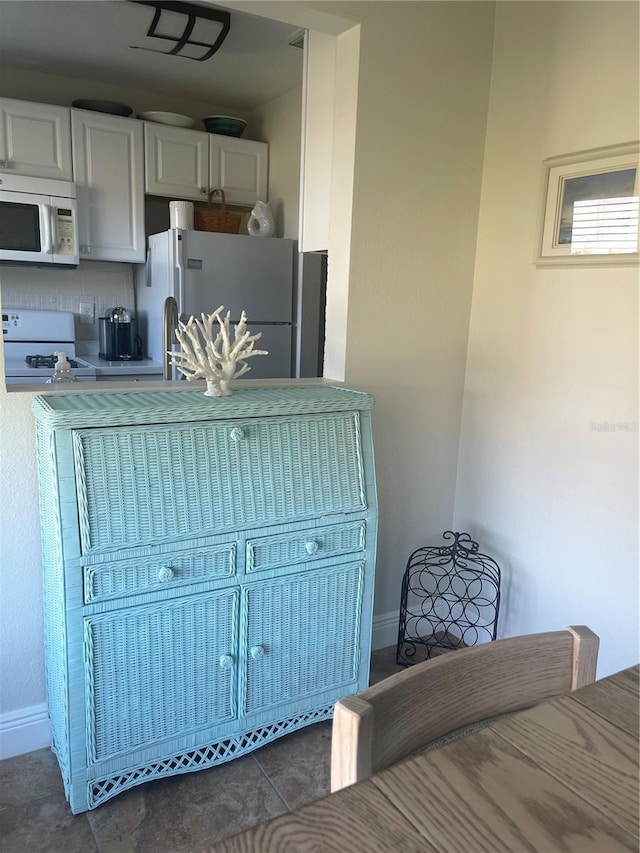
point(297, 39)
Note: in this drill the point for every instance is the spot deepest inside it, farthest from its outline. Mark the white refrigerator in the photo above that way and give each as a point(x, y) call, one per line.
point(203, 270)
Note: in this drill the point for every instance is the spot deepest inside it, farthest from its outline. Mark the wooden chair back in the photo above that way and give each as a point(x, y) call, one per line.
point(409, 710)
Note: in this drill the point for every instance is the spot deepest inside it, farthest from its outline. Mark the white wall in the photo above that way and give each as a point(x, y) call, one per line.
point(279, 122)
point(553, 350)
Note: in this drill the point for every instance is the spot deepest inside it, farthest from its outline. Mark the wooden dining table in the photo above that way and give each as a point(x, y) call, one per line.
point(561, 776)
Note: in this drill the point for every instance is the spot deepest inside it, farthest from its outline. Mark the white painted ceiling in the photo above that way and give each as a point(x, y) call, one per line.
point(92, 39)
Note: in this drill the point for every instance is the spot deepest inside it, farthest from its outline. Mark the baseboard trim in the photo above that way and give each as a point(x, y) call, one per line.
point(24, 730)
point(385, 630)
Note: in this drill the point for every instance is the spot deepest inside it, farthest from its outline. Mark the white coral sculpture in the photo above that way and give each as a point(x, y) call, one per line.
point(217, 360)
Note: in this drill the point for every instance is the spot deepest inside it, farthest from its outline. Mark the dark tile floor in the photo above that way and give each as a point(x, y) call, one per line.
point(181, 814)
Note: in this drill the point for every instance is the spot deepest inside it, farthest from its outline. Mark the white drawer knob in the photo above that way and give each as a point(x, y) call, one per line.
point(237, 434)
point(165, 574)
point(257, 652)
point(311, 546)
point(226, 661)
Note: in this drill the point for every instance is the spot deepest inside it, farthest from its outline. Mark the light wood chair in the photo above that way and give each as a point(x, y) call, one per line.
point(409, 710)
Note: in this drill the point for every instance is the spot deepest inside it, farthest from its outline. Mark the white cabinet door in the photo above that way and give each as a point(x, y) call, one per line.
point(108, 166)
point(176, 161)
point(239, 167)
point(35, 139)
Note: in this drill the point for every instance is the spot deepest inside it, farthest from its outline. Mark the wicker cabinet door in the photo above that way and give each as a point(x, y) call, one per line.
point(302, 635)
point(159, 670)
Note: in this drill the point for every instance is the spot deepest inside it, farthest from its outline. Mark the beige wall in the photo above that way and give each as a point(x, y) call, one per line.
point(62, 90)
point(279, 122)
point(21, 633)
point(553, 350)
point(422, 100)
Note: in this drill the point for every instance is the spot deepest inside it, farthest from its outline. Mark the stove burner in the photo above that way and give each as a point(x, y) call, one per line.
point(48, 361)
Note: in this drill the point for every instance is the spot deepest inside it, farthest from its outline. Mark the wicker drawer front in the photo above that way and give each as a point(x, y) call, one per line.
point(155, 671)
point(140, 484)
point(302, 635)
point(165, 571)
point(304, 546)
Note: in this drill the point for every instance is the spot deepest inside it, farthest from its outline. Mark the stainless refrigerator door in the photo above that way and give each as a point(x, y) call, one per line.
point(254, 274)
point(277, 340)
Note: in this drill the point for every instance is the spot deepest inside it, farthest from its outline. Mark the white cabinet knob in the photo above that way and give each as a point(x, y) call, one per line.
point(165, 574)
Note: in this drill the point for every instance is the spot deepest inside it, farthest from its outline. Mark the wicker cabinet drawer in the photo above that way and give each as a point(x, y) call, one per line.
point(141, 484)
point(164, 571)
point(304, 546)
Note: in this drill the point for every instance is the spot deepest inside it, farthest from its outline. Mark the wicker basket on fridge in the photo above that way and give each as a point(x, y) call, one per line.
point(217, 220)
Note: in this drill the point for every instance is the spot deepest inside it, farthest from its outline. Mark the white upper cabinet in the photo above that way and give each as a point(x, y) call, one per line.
point(108, 167)
point(181, 163)
point(239, 167)
point(176, 161)
point(35, 139)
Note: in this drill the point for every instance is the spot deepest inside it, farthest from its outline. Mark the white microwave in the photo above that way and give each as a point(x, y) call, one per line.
point(38, 222)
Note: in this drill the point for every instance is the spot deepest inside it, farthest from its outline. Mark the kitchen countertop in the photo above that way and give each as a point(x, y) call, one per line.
point(145, 366)
point(156, 385)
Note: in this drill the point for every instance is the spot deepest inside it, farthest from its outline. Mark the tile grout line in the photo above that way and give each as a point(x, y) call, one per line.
point(93, 834)
point(272, 783)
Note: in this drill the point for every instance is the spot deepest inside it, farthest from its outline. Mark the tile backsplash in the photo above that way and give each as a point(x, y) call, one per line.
point(106, 285)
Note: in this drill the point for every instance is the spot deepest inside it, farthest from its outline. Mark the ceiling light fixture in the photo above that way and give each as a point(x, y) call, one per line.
point(197, 32)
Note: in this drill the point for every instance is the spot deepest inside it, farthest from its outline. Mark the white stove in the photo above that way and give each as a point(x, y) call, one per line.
point(31, 339)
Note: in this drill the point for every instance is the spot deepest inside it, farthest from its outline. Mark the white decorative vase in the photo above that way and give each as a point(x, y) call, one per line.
point(261, 223)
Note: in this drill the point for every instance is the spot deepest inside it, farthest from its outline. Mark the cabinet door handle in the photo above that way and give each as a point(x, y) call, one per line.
point(166, 573)
point(4, 164)
point(226, 661)
point(311, 546)
point(257, 652)
point(237, 434)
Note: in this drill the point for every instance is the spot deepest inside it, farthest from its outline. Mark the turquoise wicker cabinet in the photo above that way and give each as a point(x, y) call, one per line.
point(208, 573)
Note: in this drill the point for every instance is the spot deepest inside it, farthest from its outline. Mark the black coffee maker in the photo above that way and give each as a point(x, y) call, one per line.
point(119, 339)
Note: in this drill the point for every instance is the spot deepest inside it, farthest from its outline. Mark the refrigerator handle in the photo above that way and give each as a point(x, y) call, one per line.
point(169, 326)
point(178, 284)
point(147, 268)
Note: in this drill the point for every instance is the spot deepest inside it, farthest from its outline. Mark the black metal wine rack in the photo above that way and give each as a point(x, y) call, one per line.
point(450, 599)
